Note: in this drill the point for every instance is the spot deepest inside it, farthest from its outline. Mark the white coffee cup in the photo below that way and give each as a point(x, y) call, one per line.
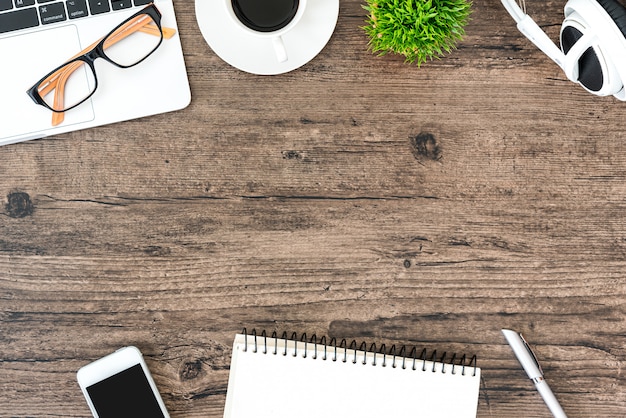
point(273, 36)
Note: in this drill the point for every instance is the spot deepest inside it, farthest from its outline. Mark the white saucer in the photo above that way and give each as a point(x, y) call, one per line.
point(256, 55)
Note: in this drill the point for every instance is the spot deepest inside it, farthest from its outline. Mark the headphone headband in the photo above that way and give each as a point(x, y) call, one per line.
point(533, 32)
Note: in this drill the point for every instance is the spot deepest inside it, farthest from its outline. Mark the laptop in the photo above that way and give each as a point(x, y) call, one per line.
point(37, 36)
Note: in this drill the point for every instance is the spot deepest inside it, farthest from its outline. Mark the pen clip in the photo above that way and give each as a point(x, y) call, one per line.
point(532, 353)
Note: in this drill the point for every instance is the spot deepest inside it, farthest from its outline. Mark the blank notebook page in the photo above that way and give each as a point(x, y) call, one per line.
point(264, 384)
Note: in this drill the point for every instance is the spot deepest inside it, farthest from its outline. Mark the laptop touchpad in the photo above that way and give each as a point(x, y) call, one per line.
point(26, 59)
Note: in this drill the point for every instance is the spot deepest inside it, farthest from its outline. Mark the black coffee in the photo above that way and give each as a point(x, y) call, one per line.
point(265, 15)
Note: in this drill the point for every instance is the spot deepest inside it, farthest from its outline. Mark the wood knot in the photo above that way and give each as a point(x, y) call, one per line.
point(19, 205)
point(190, 370)
point(157, 250)
point(292, 155)
point(424, 146)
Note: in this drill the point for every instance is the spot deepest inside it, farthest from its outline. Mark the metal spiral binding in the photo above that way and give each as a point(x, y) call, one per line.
point(345, 352)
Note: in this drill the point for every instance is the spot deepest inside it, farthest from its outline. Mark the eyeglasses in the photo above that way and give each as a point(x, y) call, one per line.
point(72, 83)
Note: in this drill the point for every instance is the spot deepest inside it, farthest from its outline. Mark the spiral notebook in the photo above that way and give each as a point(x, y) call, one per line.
point(278, 377)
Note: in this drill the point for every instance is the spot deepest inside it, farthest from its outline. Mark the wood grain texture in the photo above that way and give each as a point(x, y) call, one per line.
point(357, 197)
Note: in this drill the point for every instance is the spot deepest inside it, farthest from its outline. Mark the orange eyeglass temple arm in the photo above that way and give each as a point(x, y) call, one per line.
point(58, 79)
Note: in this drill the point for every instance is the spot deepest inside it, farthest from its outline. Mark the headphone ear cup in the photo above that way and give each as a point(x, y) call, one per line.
point(595, 59)
point(590, 72)
point(617, 12)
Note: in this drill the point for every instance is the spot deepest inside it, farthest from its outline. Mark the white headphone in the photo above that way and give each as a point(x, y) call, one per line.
point(593, 43)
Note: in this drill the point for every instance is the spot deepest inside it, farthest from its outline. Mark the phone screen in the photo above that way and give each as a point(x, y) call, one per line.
point(125, 394)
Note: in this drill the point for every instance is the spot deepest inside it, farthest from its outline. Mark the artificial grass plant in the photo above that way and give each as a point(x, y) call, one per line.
point(420, 30)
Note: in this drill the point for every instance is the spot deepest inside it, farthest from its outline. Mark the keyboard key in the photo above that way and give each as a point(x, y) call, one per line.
point(6, 5)
point(142, 2)
point(121, 4)
point(99, 6)
point(24, 3)
point(19, 19)
point(44, 1)
point(52, 13)
point(76, 8)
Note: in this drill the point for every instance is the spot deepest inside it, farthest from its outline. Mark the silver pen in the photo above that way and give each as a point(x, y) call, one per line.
point(531, 366)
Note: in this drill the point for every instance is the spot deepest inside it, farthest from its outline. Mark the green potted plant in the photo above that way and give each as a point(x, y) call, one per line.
point(420, 30)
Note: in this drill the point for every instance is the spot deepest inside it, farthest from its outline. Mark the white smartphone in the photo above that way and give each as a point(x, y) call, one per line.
point(120, 386)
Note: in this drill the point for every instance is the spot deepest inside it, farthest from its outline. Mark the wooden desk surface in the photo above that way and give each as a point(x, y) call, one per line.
point(357, 197)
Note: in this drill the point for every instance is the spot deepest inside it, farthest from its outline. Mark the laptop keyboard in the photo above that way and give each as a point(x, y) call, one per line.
point(23, 14)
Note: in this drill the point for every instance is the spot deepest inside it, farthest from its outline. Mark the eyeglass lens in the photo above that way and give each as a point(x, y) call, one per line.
point(133, 41)
point(68, 86)
point(126, 46)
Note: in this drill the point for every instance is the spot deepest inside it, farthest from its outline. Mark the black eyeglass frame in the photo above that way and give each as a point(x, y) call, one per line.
point(96, 52)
